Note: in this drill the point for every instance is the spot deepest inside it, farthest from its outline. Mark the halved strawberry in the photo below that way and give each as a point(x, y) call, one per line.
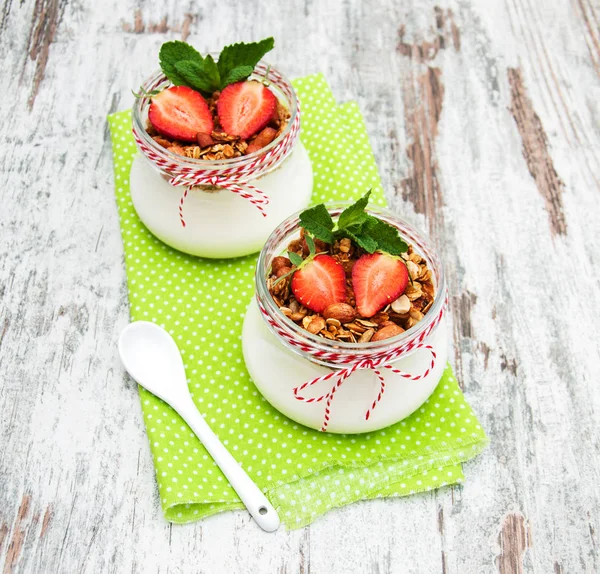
point(180, 113)
point(377, 279)
point(320, 283)
point(245, 108)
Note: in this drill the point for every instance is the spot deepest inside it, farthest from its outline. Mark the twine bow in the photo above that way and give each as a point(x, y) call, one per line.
point(245, 190)
point(343, 374)
point(350, 363)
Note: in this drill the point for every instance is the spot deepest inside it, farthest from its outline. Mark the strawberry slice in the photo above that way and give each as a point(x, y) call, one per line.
point(377, 279)
point(245, 108)
point(180, 113)
point(319, 283)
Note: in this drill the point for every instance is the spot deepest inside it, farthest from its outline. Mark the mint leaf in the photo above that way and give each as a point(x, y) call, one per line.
point(211, 70)
point(173, 52)
point(199, 76)
point(243, 54)
point(365, 241)
point(238, 74)
point(355, 214)
point(387, 237)
point(184, 65)
point(366, 231)
point(295, 258)
point(317, 221)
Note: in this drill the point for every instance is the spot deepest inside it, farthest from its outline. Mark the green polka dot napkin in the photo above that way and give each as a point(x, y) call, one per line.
point(202, 304)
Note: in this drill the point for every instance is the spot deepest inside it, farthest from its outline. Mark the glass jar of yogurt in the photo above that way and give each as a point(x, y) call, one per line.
point(211, 220)
point(388, 379)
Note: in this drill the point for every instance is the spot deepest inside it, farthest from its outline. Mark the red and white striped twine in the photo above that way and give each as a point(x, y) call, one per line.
point(349, 362)
point(235, 179)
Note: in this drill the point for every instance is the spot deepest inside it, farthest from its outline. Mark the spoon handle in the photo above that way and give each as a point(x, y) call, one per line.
point(256, 502)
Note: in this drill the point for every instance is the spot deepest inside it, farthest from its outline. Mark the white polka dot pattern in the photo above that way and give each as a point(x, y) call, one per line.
point(202, 304)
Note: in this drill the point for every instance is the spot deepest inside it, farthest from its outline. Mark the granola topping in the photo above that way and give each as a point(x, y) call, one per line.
point(218, 145)
point(342, 321)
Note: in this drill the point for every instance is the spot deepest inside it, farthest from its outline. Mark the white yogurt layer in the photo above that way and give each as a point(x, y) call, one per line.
point(276, 371)
point(220, 224)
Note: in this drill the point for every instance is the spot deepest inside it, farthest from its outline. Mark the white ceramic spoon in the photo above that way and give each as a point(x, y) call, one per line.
point(152, 358)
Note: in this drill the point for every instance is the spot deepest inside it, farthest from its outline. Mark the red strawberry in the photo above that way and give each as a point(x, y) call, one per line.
point(180, 113)
point(320, 283)
point(377, 279)
point(245, 108)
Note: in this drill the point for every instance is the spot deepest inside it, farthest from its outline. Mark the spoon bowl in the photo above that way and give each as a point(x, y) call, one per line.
point(151, 357)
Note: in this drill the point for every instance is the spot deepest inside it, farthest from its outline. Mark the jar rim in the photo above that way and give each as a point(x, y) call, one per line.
point(262, 71)
point(289, 227)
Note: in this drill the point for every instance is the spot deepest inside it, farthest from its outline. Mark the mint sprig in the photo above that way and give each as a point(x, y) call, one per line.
point(355, 214)
point(173, 52)
point(235, 59)
point(183, 65)
point(317, 221)
point(366, 231)
point(202, 77)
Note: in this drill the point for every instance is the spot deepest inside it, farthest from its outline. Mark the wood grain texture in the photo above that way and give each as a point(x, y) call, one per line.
point(514, 539)
point(484, 119)
point(536, 152)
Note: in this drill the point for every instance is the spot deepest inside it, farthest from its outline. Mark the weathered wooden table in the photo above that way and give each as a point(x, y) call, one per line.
point(484, 118)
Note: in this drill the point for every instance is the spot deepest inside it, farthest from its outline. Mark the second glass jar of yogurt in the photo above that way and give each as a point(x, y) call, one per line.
point(299, 371)
point(226, 215)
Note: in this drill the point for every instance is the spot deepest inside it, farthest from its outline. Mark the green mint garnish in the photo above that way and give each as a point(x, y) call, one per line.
point(185, 66)
point(355, 214)
point(235, 60)
point(387, 237)
point(173, 52)
point(366, 231)
point(202, 77)
point(317, 221)
point(369, 244)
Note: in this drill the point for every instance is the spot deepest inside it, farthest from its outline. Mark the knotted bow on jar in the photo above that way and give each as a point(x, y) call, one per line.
point(231, 182)
point(349, 364)
point(236, 178)
point(343, 374)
